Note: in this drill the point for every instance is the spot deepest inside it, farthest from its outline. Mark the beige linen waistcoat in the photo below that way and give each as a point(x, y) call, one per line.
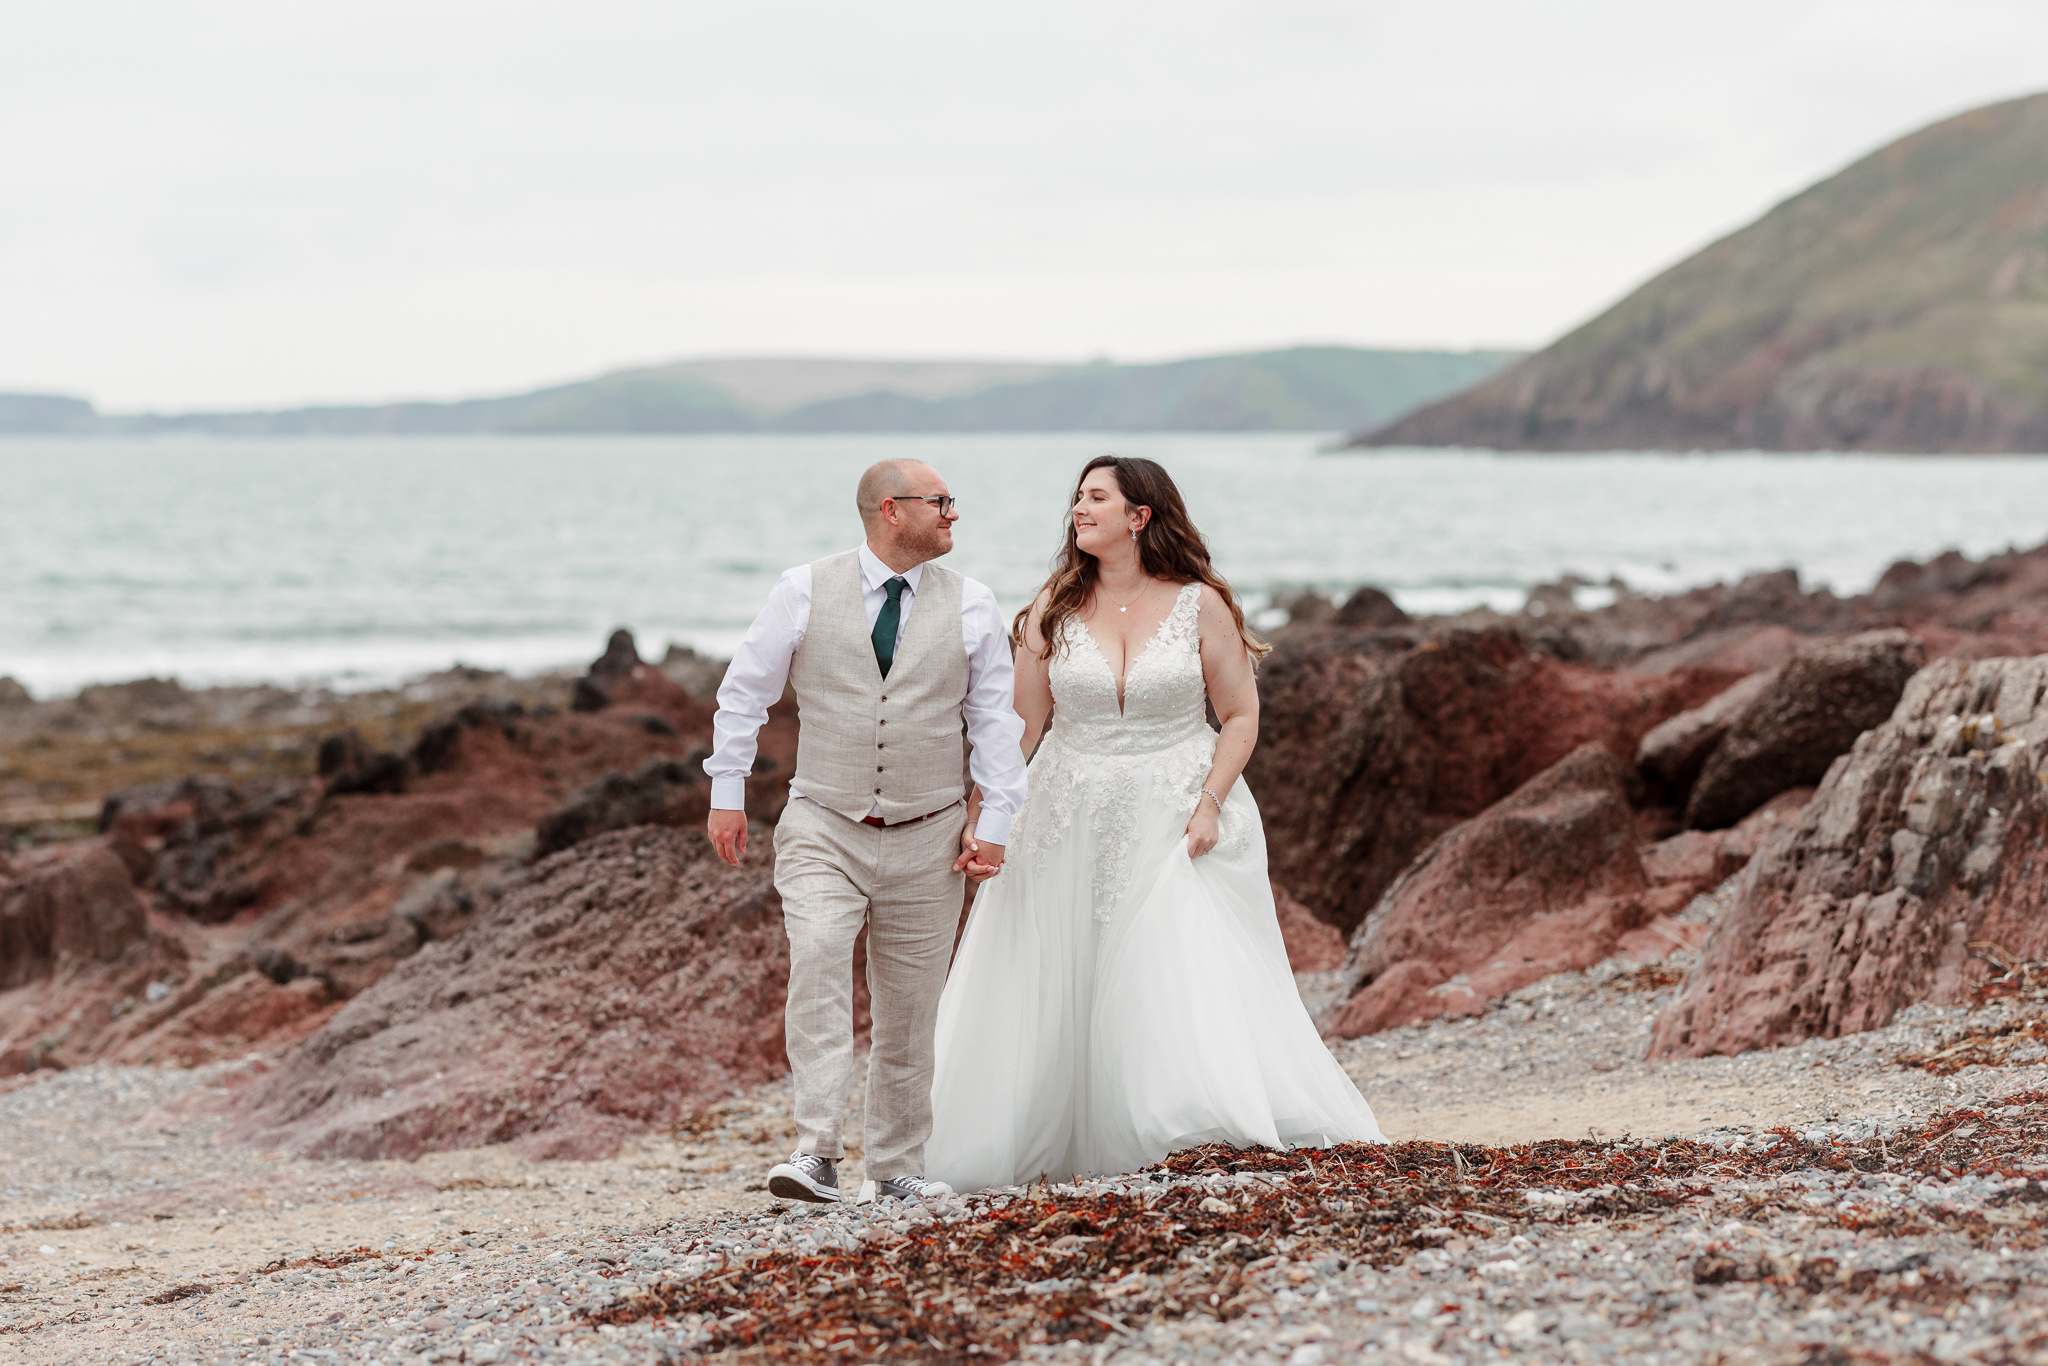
point(862, 739)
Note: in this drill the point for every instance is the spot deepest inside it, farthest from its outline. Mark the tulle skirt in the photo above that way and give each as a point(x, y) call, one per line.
point(1070, 1046)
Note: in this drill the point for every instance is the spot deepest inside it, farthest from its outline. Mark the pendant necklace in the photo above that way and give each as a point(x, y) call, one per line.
point(1126, 606)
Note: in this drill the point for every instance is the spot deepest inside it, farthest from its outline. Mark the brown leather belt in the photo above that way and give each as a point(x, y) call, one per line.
point(891, 825)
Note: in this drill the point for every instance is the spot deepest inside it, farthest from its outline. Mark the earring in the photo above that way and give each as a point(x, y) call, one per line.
point(1134, 535)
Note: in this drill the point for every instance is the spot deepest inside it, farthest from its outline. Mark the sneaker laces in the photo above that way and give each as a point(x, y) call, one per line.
point(811, 1165)
point(916, 1185)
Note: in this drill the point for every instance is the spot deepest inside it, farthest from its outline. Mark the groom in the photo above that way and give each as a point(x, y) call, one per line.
point(894, 660)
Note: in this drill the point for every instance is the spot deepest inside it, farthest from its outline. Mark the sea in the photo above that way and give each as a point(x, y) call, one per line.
point(356, 563)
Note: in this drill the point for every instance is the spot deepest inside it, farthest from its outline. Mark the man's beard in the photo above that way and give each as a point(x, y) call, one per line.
point(930, 544)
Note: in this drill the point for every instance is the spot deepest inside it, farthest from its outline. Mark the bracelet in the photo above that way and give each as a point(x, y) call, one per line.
point(1212, 797)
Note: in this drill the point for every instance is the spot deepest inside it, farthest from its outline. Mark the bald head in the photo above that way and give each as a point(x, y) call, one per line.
point(887, 479)
point(904, 525)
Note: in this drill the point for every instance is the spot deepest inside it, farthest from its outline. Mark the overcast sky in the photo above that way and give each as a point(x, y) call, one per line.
point(251, 203)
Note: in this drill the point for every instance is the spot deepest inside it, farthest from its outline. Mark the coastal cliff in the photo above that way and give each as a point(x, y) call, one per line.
point(1899, 305)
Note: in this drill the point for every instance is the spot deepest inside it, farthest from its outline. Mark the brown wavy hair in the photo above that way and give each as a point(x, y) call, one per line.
point(1169, 548)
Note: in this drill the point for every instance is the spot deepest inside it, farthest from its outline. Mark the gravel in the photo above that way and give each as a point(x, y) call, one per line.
point(127, 1234)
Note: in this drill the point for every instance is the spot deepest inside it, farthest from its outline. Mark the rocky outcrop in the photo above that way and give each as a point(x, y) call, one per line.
point(1811, 710)
point(660, 792)
point(1929, 836)
point(619, 660)
point(1373, 743)
point(1695, 861)
point(1673, 752)
point(1369, 608)
point(439, 745)
point(1545, 880)
point(347, 762)
point(625, 981)
point(1959, 608)
point(63, 904)
point(1312, 946)
point(272, 901)
point(77, 952)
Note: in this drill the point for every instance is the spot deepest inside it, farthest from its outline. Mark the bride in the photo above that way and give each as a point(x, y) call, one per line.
point(1122, 989)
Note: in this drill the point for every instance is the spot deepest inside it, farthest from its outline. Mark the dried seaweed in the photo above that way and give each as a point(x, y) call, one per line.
point(1212, 1229)
point(347, 1257)
point(2009, 977)
point(1994, 1047)
point(1648, 977)
point(179, 1292)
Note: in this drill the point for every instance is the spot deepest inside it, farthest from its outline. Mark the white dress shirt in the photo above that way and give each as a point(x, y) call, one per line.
point(760, 669)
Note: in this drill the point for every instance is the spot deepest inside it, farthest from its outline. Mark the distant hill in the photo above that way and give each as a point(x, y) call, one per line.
point(1307, 388)
point(46, 414)
point(775, 384)
point(1900, 305)
point(1313, 388)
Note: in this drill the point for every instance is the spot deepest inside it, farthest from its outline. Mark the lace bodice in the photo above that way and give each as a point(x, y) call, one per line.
point(1163, 689)
point(1100, 760)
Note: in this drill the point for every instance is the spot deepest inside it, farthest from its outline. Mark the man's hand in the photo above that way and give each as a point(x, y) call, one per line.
point(728, 831)
point(979, 859)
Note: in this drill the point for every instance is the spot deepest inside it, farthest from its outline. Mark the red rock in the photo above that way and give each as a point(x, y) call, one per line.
point(1960, 608)
point(1312, 946)
point(341, 886)
point(1659, 939)
point(1925, 838)
point(1674, 751)
point(1545, 880)
point(1746, 649)
point(623, 982)
point(66, 903)
point(660, 792)
point(1370, 608)
point(76, 943)
point(1696, 861)
point(1372, 744)
point(1811, 711)
point(347, 762)
point(226, 1020)
point(621, 658)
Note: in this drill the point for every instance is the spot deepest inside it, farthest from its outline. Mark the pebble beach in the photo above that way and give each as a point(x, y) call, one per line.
point(1773, 1230)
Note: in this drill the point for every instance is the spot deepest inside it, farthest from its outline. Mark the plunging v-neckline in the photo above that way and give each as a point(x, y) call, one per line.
point(1131, 663)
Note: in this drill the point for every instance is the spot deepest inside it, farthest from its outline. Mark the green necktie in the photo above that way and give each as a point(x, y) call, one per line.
point(884, 634)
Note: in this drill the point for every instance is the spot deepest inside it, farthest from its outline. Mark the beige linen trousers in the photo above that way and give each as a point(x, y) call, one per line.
point(835, 876)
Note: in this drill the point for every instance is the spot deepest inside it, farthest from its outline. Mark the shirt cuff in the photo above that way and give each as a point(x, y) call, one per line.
point(730, 794)
point(993, 826)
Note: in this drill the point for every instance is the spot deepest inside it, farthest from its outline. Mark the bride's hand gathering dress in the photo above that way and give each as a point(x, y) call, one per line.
point(1114, 999)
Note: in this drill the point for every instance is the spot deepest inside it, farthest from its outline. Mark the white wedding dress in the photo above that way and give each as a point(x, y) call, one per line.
point(1113, 999)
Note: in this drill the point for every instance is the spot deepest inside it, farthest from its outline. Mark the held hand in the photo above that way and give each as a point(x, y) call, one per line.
point(1202, 830)
point(728, 831)
point(969, 851)
point(979, 859)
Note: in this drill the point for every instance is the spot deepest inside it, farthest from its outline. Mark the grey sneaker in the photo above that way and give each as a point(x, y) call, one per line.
point(805, 1176)
point(911, 1188)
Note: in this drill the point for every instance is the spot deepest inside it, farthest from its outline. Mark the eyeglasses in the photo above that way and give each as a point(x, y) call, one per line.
point(944, 502)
